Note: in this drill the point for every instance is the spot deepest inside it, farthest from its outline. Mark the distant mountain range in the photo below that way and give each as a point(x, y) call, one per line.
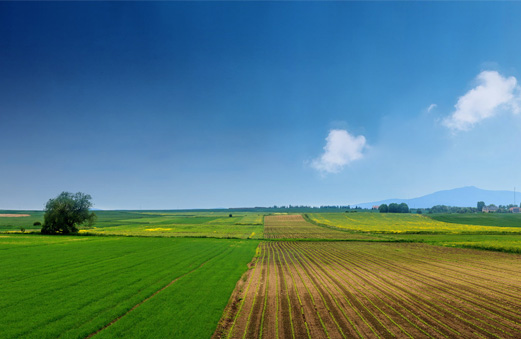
point(462, 197)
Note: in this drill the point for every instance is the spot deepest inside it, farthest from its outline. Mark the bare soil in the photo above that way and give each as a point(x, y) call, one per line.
point(14, 215)
point(356, 289)
point(294, 226)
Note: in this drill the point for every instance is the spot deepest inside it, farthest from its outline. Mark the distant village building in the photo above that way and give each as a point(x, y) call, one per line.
point(515, 209)
point(488, 209)
point(375, 207)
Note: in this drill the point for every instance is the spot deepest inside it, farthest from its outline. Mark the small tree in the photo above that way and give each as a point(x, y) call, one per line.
point(66, 211)
point(481, 204)
point(383, 208)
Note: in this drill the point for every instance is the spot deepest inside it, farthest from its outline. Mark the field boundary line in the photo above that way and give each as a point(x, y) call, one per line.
point(331, 227)
point(242, 301)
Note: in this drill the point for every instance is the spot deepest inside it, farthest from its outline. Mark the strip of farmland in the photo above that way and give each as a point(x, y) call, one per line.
point(357, 289)
point(296, 227)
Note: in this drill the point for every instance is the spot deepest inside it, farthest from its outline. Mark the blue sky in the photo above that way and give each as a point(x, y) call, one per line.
point(170, 105)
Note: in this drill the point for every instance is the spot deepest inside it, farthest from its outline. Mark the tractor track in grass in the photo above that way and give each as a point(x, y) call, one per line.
point(152, 295)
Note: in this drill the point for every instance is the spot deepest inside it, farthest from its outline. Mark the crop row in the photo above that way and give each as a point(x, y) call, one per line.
point(296, 227)
point(345, 290)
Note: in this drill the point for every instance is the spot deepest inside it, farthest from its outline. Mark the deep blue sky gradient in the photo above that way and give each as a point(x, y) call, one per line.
point(225, 104)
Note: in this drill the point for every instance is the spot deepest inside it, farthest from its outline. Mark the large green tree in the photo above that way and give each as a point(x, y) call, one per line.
point(481, 204)
point(67, 211)
point(393, 208)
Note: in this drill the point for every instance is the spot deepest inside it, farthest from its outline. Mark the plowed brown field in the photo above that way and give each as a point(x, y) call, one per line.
point(376, 290)
point(296, 227)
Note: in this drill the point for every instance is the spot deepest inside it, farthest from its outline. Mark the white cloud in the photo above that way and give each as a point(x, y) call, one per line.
point(431, 107)
point(494, 93)
point(341, 149)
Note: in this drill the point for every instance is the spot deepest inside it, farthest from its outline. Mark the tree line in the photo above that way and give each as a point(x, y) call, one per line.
point(394, 208)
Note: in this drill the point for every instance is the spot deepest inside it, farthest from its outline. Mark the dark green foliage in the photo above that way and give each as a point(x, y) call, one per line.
point(22, 230)
point(481, 204)
point(37, 223)
point(394, 208)
point(65, 212)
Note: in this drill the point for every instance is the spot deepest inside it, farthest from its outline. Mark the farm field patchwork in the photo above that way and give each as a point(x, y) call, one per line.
point(72, 287)
point(159, 224)
point(182, 224)
point(294, 226)
point(362, 285)
point(357, 289)
point(10, 223)
point(399, 223)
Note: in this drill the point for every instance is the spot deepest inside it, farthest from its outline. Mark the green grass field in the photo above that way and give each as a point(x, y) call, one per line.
point(486, 219)
point(14, 224)
point(72, 286)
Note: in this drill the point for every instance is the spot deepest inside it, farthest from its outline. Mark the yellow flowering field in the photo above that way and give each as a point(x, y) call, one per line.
point(398, 223)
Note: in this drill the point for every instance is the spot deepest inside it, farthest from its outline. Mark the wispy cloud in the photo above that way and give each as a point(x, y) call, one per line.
point(494, 93)
point(431, 107)
point(341, 149)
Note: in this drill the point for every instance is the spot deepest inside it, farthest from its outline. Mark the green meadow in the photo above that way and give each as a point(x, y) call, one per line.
point(486, 219)
point(72, 286)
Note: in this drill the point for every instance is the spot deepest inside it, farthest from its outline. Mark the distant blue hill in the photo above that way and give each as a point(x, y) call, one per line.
point(462, 197)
